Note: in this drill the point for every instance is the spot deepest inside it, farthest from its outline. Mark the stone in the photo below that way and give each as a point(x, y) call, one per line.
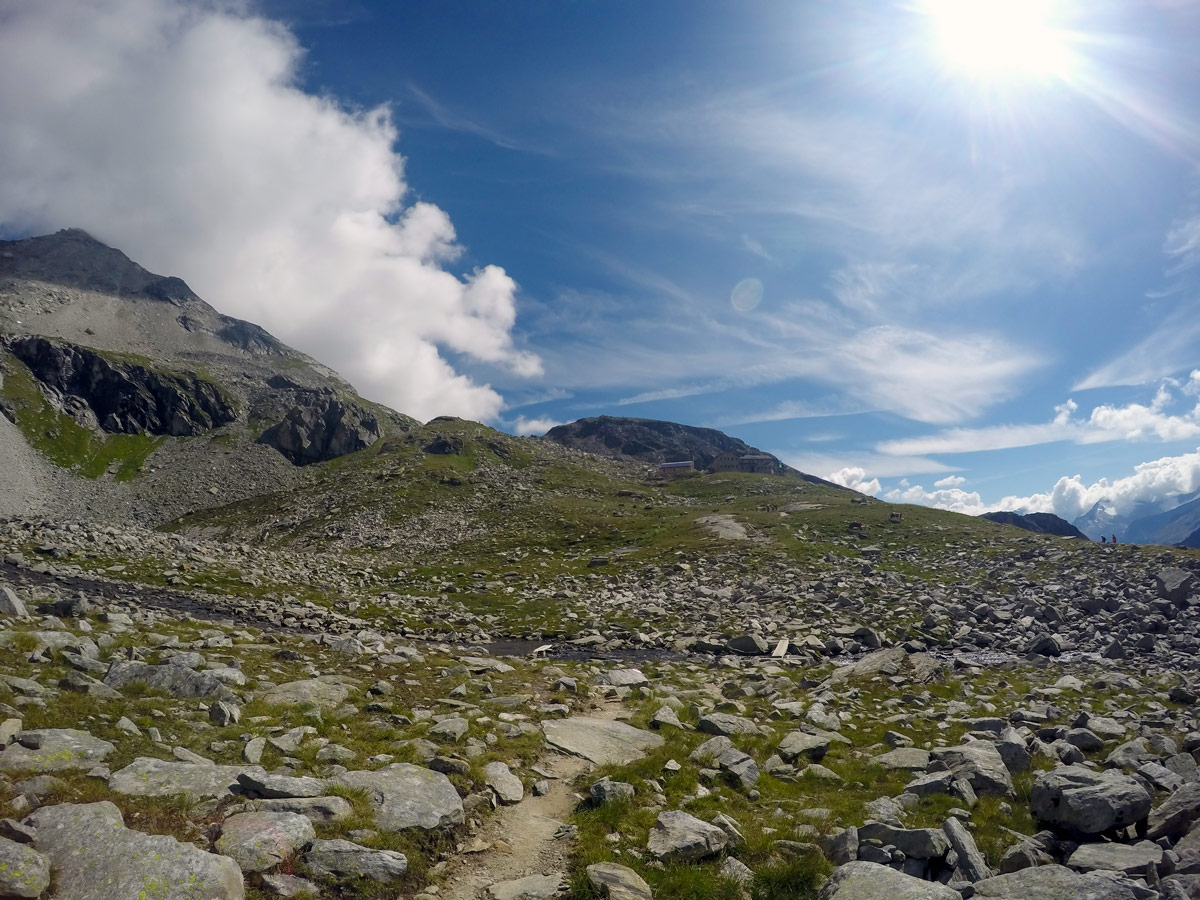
point(741, 766)
point(176, 681)
point(24, 872)
point(407, 796)
point(1132, 859)
point(95, 857)
point(223, 713)
point(507, 786)
point(736, 870)
point(258, 841)
point(289, 886)
point(920, 843)
point(261, 784)
point(861, 880)
point(979, 763)
point(314, 692)
point(911, 759)
point(608, 791)
point(1081, 801)
point(749, 645)
point(842, 846)
point(680, 837)
point(616, 882)
point(622, 678)
point(798, 743)
point(602, 741)
point(1052, 882)
point(451, 728)
point(665, 716)
point(54, 750)
point(531, 887)
point(1176, 814)
point(1175, 585)
point(316, 809)
point(343, 859)
point(149, 777)
point(11, 604)
point(970, 861)
point(726, 724)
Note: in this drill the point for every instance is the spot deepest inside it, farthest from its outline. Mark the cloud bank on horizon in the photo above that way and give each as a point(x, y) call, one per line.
point(177, 132)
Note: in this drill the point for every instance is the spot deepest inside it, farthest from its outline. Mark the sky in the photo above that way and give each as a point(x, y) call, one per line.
point(942, 251)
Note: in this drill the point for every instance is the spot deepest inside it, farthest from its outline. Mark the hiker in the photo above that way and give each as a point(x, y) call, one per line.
point(1103, 539)
point(1114, 540)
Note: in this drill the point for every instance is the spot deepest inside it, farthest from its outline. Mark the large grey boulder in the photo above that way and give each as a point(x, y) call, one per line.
point(979, 763)
point(726, 724)
point(680, 837)
point(407, 796)
point(177, 681)
point(861, 880)
point(798, 743)
point(24, 872)
point(54, 750)
point(321, 428)
point(1132, 859)
point(1175, 585)
point(95, 857)
point(1057, 883)
point(270, 787)
point(149, 777)
point(1079, 800)
point(910, 759)
point(622, 678)
point(920, 843)
point(343, 859)
point(617, 882)
point(258, 841)
point(309, 692)
point(507, 786)
point(971, 862)
point(11, 604)
point(316, 809)
point(600, 740)
point(1176, 814)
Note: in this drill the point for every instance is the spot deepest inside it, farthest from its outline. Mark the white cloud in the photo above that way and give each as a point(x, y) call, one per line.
point(176, 132)
point(1173, 345)
point(1104, 423)
point(524, 426)
point(950, 481)
point(1156, 481)
point(873, 464)
point(855, 478)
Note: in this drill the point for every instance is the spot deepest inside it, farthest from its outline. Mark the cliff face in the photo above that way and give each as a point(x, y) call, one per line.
point(323, 428)
point(122, 397)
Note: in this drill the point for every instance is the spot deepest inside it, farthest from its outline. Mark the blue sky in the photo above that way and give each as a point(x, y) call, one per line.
point(949, 259)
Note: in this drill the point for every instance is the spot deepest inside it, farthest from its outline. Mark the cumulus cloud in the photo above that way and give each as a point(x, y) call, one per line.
point(1157, 481)
point(177, 132)
point(525, 427)
point(855, 478)
point(950, 481)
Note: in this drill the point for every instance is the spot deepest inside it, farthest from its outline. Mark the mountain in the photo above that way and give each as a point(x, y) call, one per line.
point(121, 387)
point(1038, 523)
point(656, 441)
point(1148, 522)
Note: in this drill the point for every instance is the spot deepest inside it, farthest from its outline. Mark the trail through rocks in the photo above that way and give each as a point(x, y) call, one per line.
point(521, 840)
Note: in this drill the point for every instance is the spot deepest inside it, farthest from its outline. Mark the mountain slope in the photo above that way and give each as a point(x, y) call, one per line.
point(141, 399)
point(656, 441)
point(1038, 523)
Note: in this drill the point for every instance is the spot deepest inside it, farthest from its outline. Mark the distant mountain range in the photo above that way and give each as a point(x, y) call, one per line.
point(1168, 522)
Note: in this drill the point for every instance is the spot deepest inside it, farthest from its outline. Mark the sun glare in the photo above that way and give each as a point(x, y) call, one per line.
point(1001, 39)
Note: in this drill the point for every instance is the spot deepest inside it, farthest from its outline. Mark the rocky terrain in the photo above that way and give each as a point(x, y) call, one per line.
point(261, 638)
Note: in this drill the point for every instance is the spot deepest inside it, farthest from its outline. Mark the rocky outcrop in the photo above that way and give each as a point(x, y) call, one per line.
point(123, 397)
point(321, 428)
point(1038, 523)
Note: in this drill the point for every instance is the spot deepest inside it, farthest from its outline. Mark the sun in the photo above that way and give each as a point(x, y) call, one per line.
point(1001, 40)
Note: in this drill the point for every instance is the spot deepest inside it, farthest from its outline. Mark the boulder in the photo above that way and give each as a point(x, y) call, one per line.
point(95, 857)
point(149, 777)
point(797, 743)
point(911, 759)
point(616, 882)
point(920, 843)
point(862, 880)
point(1176, 814)
point(1132, 859)
point(507, 786)
point(321, 428)
point(24, 872)
point(179, 682)
point(309, 692)
point(726, 724)
point(1057, 883)
point(531, 887)
point(600, 740)
point(979, 763)
point(260, 784)
point(258, 841)
point(11, 604)
point(622, 678)
point(407, 796)
point(1175, 585)
point(54, 750)
point(680, 837)
point(1081, 801)
point(343, 859)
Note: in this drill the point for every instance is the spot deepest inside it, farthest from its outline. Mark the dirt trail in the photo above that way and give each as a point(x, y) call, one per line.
point(520, 840)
